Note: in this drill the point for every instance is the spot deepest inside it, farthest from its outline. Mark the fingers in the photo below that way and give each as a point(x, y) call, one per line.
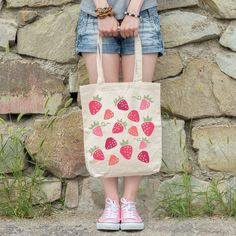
point(128, 32)
point(129, 27)
point(108, 27)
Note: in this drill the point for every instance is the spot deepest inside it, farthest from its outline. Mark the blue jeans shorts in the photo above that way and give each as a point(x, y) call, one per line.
point(149, 31)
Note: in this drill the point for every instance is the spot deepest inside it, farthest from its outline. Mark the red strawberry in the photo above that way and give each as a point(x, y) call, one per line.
point(143, 156)
point(133, 131)
point(110, 143)
point(145, 103)
point(95, 105)
point(119, 126)
point(121, 103)
point(134, 116)
point(113, 160)
point(97, 153)
point(147, 126)
point(108, 114)
point(97, 130)
point(126, 150)
point(143, 142)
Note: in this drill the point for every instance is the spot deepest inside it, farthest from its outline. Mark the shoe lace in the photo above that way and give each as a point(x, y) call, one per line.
point(111, 209)
point(129, 208)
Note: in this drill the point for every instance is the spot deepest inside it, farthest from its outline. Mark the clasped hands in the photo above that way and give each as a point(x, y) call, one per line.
point(110, 26)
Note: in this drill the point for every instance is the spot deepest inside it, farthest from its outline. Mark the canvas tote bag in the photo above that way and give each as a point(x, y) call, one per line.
point(121, 123)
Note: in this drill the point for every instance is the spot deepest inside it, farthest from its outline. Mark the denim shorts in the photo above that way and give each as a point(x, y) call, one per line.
point(149, 32)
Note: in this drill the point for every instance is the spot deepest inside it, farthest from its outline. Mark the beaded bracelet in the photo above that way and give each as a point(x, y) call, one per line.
point(131, 14)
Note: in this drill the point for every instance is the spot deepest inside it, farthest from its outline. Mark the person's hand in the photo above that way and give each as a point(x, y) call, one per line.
point(108, 26)
point(129, 26)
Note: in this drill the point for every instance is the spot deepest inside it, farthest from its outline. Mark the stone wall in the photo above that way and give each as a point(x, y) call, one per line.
point(198, 93)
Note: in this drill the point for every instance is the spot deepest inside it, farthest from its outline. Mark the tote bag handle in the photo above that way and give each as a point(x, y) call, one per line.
point(138, 59)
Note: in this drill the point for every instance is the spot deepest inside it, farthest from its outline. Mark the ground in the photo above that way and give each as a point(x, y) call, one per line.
point(72, 222)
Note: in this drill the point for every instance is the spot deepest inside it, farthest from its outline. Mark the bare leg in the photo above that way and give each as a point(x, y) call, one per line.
point(131, 183)
point(111, 65)
point(149, 63)
point(111, 74)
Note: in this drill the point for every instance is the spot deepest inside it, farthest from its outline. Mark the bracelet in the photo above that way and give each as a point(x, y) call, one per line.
point(103, 12)
point(132, 14)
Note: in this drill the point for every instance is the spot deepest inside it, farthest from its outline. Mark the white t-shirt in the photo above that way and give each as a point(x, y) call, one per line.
point(119, 6)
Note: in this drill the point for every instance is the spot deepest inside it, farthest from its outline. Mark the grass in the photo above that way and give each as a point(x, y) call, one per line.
point(181, 200)
point(21, 194)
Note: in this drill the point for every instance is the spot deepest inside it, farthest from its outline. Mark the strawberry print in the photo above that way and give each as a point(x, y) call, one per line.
point(143, 142)
point(133, 131)
point(126, 150)
point(121, 103)
point(113, 160)
point(119, 126)
point(108, 114)
point(96, 128)
point(95, 105)
point(147, 126)
point(97, 153)
point(134, 116)
point(143, 156)
point(110, 143)
point(146, 100)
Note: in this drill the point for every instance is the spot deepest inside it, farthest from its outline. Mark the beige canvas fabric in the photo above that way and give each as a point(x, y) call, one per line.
point(122, 123)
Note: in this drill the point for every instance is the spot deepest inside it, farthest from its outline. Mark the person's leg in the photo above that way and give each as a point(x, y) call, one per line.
point(111, 67)
point(130, 218)
point(131, 183)
point(149, 63)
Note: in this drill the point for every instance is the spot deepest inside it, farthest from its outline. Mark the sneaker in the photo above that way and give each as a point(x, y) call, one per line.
point(110, 219)
point(130, 218)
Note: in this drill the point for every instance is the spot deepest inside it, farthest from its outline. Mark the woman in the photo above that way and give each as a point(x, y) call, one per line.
point(119, 22)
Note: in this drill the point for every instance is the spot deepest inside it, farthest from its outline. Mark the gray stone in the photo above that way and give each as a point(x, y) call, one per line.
point(91, 198)
point(216, 145)
point(169, 65)
point(12, 154)
point(148, 196)
point(222, 9)
point(180, 27)
point(171, 4)
point(73, 83)
point(72, 194)
point(8, 30)
point(43, 189)
point(83, 77)
point(1, 3)
point(62, 152)
point(26, 16)
point(24, 87)
point(173, 146)
point(51, 37)
point(33, 3)
point(175, 188)
point(228, 38)
point(199, 92)
point(51, 189)
point(227, 63)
